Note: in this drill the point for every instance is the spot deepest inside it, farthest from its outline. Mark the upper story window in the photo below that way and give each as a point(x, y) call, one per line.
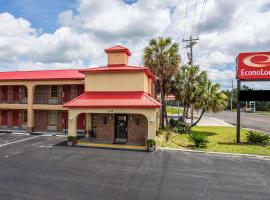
point(54, 91)
point(24, 92)
point(73, 91)
point(10, 92)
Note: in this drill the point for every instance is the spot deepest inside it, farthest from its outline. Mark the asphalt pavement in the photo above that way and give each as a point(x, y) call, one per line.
point(43, 168)
point(248, 120)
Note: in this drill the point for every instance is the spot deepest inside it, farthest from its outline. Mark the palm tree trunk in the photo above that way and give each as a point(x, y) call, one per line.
point(162, 102)
point(203, 111)
point(184, 112)
point(191, 116)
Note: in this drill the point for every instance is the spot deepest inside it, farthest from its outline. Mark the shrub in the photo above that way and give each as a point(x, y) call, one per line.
point(173, 123)
point(151, 143)
point(71, 138)
point(181, 127)
point(254, 137)
point(198, 139)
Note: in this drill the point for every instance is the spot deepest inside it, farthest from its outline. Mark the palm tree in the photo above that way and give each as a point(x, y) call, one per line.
point(163, 58)
point(187, 86)
point(211, 99)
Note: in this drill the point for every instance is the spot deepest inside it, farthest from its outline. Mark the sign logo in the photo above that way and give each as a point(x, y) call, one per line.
point(253, 62)
point(253, 66)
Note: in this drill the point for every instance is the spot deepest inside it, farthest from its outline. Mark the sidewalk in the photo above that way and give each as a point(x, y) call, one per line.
point(207, 121)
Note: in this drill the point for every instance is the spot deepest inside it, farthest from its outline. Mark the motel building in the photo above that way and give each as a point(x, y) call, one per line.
point(113, 104)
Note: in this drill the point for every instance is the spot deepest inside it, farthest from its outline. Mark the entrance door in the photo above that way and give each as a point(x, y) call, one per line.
point(121, 128)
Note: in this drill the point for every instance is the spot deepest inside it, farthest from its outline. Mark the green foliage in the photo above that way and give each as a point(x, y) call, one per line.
point(179, 126)
point(151, 143)
point(163, 58)
point(254, 137)
point(193, 89)
point(198, 139)
point(71, 138)
point(173, 123)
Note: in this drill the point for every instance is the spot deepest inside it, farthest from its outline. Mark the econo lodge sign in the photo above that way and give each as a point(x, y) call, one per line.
point(253, 66)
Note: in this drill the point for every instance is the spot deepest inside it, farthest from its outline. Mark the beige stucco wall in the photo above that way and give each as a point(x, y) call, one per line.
point(115, 81)
point(30, 90)
point(117, 58)
point(150, 114)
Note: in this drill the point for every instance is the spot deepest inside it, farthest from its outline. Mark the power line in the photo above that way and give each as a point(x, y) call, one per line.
point(185, 19)
point(201, 17)
point(200, 24)
point(194, 16)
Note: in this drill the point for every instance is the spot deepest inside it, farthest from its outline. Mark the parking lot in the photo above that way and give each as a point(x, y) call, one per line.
point(40, 167)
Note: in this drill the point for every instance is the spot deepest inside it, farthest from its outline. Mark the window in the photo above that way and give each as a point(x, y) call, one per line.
point(54, 91)
point(73, 92)
point(10, 94)
point(52, 121)
point(24, 92)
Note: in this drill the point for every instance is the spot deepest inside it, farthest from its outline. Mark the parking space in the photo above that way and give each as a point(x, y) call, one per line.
point(42, 168)
point(11, 144)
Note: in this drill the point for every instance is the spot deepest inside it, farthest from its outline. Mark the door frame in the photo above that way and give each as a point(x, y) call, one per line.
point(115, 125)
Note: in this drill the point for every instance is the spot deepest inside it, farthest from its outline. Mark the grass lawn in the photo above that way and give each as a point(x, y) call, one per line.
point(263, 113)
point(173, 110)
point(221, 139)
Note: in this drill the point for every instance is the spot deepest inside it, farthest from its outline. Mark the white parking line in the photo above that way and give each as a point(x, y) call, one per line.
point(3, 133)
point(18, 141)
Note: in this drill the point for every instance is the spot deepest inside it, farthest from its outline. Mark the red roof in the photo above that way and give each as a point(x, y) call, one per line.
point(119, 68)
point(41, 75)
point(118, 48)
point(114, 100)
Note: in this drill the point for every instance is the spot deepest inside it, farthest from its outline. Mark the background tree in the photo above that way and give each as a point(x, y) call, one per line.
point(212, 99)
point(163, 58)
point(187, 87)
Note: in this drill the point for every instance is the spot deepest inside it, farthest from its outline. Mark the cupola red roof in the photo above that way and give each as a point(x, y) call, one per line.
point(117, 49)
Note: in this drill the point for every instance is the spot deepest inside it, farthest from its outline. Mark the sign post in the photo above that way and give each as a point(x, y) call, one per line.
point(238, 112)
point(253, 66)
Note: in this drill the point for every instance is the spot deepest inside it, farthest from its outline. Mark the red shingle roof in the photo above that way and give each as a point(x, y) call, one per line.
point(41, 75)
point(114, 100)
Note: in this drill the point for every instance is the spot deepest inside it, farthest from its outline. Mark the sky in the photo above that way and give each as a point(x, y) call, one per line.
point(60, 34)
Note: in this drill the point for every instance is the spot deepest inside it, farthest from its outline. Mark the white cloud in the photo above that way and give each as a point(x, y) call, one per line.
point(228, 27)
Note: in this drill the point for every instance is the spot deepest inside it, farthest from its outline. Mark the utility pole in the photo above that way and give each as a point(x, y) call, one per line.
point(190, 43)
point(232, 97)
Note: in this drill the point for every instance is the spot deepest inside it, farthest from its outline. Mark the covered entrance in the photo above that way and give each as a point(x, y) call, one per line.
point(121, 128)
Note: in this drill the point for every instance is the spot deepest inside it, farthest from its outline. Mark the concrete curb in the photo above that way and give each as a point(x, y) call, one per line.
point(217, 153)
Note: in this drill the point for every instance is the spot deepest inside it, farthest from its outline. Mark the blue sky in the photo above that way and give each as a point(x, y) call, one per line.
point(41, 13)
